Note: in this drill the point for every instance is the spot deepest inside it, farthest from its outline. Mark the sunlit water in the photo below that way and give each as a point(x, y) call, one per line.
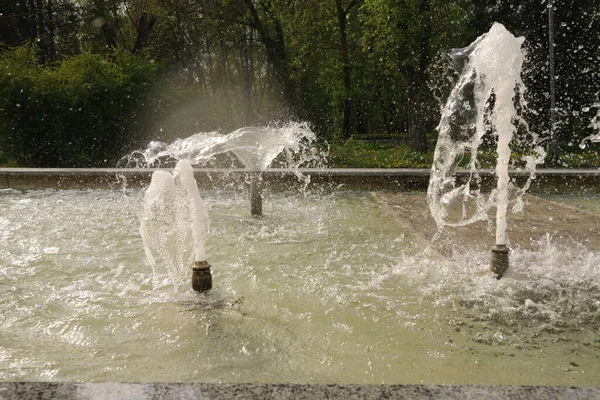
point(324, 288)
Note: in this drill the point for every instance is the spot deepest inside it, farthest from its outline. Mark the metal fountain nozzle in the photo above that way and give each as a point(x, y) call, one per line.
point(201, 276)
point(499, 262)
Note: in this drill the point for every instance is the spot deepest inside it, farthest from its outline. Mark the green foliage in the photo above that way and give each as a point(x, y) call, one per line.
point(76, 113)
point(584, 159)
point(359, 154)
point(73, 95)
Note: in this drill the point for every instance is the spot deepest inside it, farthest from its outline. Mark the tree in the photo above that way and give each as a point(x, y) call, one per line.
point(342, 16)
point(407, 35)
point(17, 23)
point(51, 24)
point(78, 113)
point(577, 56)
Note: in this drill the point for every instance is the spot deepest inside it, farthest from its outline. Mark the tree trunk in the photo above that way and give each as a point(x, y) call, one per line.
point(41, 29)
point(145, 25)
point(276, 54)
point(417, 118)
point(247, 63)
point(51, 42)
point(347, 99)
point(415, 80)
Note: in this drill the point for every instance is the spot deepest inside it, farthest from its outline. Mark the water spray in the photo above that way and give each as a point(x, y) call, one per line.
point(255, 147)
point(199, 224)
point(174, 225)
point(482, 100)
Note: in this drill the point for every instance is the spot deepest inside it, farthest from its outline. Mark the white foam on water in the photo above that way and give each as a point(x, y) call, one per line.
point(553, 288)
point(313, 292)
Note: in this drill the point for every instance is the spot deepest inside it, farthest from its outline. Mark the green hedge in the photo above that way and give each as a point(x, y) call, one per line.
point(77, 113)
point(359, 154)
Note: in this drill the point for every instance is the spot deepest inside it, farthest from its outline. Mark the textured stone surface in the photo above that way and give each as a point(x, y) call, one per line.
point(184, 391)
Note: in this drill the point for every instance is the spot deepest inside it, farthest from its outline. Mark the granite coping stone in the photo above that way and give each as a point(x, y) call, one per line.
point(218, 391)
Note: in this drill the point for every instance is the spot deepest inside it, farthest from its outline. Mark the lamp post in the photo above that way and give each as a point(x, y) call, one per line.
point(553, 143)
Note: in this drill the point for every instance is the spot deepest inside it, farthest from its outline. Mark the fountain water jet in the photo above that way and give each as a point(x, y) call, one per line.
point(483, 100)
point(255, 147)
point(175, 225)
point(199, 222)
point(174, 199)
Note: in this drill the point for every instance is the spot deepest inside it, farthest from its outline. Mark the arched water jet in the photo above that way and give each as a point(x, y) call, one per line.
point(255, 147)
point(483, 100)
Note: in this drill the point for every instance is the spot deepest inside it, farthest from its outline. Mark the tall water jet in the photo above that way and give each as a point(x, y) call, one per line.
point(157, 225)
point(174, 225)
point(485, 99)
point(199, 223)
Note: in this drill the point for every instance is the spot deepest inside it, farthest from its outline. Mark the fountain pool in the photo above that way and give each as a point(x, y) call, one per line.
point(333, 288)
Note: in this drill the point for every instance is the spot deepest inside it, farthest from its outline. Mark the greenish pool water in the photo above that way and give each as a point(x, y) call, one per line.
point(324, 288)
point(590, 202)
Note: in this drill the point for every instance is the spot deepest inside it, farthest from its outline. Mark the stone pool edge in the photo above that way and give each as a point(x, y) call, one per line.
point(402, 179)
point(217, 391)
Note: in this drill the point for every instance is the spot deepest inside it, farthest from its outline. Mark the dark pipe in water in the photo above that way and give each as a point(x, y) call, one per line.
point(201, 276)
point(256, 194)
point(499, 261)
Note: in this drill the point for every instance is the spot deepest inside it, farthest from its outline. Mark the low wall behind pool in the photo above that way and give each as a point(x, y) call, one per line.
point(578, 181)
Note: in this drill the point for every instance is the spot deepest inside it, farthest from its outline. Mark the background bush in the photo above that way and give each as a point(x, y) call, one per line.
point(80, 112)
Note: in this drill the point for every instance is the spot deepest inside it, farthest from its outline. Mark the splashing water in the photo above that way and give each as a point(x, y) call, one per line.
point(255, 147)
point(594, 124)
point(486, 99)
point(174, 222)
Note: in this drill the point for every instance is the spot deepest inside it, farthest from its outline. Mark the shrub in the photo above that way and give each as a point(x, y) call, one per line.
point(359, 154)
point(77, 113)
